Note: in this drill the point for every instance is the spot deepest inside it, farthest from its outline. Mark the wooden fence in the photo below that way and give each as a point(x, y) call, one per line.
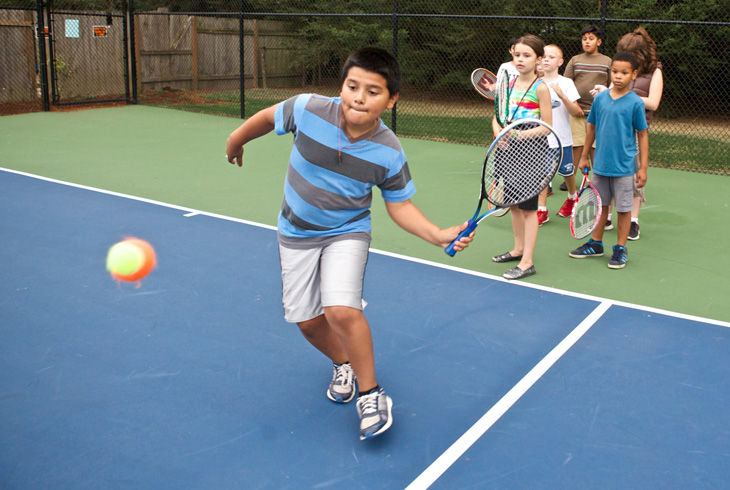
point(202, 53)
point(17, 57)
point(172, 51)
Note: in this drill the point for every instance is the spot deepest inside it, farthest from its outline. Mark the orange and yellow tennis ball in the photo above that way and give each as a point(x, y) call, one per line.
point(131, 260)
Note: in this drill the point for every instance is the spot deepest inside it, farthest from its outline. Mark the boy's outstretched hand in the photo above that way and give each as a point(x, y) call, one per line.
point(410, 218)
point(449, 234)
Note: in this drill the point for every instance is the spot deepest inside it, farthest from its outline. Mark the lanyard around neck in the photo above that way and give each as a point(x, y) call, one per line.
point(522, 99)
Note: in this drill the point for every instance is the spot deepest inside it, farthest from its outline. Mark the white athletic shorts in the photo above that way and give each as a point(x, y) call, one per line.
point(327, 275)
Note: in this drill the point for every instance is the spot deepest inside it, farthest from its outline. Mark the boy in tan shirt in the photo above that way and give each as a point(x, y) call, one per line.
point(587, 70)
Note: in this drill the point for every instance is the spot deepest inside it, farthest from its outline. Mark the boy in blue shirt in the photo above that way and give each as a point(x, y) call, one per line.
point(616, 119)
point(341, 150)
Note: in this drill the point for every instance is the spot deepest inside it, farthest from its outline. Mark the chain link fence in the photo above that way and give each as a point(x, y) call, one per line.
point(235, 57)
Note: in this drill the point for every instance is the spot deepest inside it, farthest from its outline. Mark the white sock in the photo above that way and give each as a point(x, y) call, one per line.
point(635, 220)
point(542, 208)
point(573, 197)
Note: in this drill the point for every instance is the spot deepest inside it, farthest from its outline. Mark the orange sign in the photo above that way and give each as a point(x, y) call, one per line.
point(100, 31)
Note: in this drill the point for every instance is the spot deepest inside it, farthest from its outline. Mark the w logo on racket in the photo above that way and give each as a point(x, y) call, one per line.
point(587, 209)
point(484, 82)
point(587, 213)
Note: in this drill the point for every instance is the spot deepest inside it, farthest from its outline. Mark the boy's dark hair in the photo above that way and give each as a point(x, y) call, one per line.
point(378, 61)
point(627, 56)
point(512, 41)
point(591, 29)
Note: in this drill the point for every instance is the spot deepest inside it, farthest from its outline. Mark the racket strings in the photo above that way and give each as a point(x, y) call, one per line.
point(520, 168)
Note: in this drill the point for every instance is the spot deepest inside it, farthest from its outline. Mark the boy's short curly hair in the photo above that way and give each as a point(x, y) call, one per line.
point(627, 56)
point(376, 60)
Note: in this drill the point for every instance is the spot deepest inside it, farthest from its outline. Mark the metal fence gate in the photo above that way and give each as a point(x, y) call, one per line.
point(88, 54)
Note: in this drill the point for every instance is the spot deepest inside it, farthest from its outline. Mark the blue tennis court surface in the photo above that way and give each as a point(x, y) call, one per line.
point(194, 380)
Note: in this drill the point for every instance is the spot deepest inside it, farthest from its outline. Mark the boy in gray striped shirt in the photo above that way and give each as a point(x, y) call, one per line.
point(341, 150)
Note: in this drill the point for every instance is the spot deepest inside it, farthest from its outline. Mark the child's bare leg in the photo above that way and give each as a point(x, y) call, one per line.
point(542, 198)
point(636, 208)
point(518, 230)
point(319, 333)
point(353, 331)
point(624, 224)
point(570, 183)
point(529, 238)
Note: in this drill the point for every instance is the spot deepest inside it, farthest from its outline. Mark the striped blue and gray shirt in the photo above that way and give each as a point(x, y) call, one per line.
point(323, 197)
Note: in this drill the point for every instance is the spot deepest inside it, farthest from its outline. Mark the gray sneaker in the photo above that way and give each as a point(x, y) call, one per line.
point(374, 411)
point(342, 386)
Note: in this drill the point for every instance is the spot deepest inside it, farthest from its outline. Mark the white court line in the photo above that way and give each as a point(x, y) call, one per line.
point(190, 211)
point(458, 448)
point(572, 294)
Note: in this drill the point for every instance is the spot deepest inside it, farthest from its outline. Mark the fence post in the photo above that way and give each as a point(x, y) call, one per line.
point(395, 53)
point(125, 55)
point(42, 57)
point(194, 52)
point(604, 15)
point(255, 51)
point(133, 52)
point(241, 67)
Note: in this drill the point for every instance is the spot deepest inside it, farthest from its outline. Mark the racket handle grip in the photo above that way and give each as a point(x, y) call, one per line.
point(450, 251)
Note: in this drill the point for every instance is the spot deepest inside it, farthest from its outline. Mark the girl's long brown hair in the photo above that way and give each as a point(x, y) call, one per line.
point(642, 46)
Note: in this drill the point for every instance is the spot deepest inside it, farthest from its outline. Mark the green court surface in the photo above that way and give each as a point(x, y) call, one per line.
point(681, 263)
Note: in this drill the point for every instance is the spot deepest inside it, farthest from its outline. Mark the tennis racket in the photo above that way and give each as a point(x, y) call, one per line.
point(518, 165)
point(501, 99)
point(586, 211)
point(485, 82)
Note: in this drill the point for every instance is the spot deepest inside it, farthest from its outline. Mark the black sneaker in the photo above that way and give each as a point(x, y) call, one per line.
point(591, 248)
point(609, 225)
point(634, 231)
point(619, 257)
point(563, 186)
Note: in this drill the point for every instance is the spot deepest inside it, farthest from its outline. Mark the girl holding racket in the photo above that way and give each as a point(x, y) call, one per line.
point(529, 98)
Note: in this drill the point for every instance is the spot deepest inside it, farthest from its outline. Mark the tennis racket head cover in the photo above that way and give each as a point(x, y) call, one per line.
point(586, 211)
point(485, 82)
point(501, 100)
